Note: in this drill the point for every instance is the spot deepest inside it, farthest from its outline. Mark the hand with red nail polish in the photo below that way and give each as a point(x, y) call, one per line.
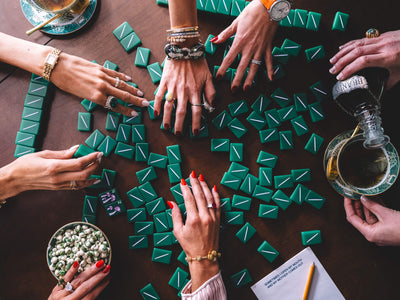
point(87, 284)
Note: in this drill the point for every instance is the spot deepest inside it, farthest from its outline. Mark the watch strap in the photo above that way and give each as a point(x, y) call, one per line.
point(48, 68)
point(267, 3)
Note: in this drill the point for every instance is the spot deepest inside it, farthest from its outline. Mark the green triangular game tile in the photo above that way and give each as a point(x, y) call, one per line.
point(238, 108)
point(95, 139)
point(236, 152)
point(220, 145)
point(108, 177)
point(265, 176)
point(315, 199)
point(177, 193)
point(142, 57)
point(281, 199)
point(25, 139)
point(39, 79)
point(231, 181)
point(237, 128)
point(22, 150)
point(241, 202)
point(90, 205)
point(178, 278)
point(262, 193)
point(123, 133)
point(314, 143)
point(36, 89)
point(237, 7)
point(279, 72)
point(161, 256)
point(224, 7)
point(246, 233)
point(261, 104)
point(340, 21)
point(300, 18)
point(124, 150)
point(147, 191)
point(299, 125)
point(287, 113)
point(138, 242)
point(138, 133)
point(267, 159)
point(226, 204)
point(311, 237)
point(211, 6)
point(234, 217)
point(280, 97)
point(241, 278)
point(142, 152)
point(130, 42)
point(313, 21)
point(319, 91)
point(133, 120)
point(136, 214)
point(110, 65)
point(181, 258)
point(268, 251)
point(168, 213)
point(269, 135)
point(268, 211)
point(136, 197)
point(201, 5)
point(155, 206)
point(149, 293)
point(29, 127)
point(174, 154)
point(157, 160)
point(115, 208)
point(210, 47)
point(288, 20)
point(283, 181)
point(272, 118)
point(112, 121)
point(315, 53)
point(89, 219)
point(300, 102)
point(122, 31)
point(107, 145)
point(203, 132)
point(286, 140)
point(256, 120)
point(174, 173)
point(161, 222)
point(84, 121)
point(299, 194)
point(238, 170)
point(162, 2)
point(301, 175)
point(162, 239)
point(280, 56)
point(291, 47)
point(83, 151)
point(34, 101)
point(249, 184)
point(146, 175)
point(155, 72)
point(222, 120)
point(31, 114)
point(144, 227)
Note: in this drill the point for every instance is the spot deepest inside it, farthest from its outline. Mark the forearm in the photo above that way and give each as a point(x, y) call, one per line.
point(8, 186)
point(23, 54)
point(182, 13)
point(201, 271)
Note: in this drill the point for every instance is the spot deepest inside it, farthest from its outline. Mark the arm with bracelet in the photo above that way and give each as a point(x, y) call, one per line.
point(186, 79)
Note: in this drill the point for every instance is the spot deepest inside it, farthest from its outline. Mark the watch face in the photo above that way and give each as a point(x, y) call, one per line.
point(279, 10)
point(51, 59)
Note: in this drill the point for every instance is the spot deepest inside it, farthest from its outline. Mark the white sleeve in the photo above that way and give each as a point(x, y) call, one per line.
point(212, 289)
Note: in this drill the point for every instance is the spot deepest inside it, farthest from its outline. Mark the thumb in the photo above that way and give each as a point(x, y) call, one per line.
point(209, 91)
point(62, 154)
point(176, 217)
point(378, 210)
point(226, 34)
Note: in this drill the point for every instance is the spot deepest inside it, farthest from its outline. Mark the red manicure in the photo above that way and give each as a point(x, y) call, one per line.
point(183, 182)
point(193, 174)
point(107, 269)
point(75, 265)
point(215, 188)
point(214, 39)
point(155, 113)
point(171, 206)
point(214, 205)
point(100, 263)
point(196, 132)
point(178, 133)
point(166, 126)
point(201, 177)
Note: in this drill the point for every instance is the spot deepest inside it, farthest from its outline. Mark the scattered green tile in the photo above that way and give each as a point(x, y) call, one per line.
point(138, 241)
point(241, 278)
point(224, 7)
point(142, 152)
point(236, 152)
point(301, 175)
point(174, 154)
point(237, 128)
point(286, 140)
point(269, 252)
point(133, 120)
point(209, 46)
point(238, 170)
point(31, 114)
point(265, 176)
point(174, 173)
point(178, 278)
point(110, 65)
point(82, 151)
point(281, 56)
point(122, 31)
point(316, 112)
point(220, 145)
point(288, 20)
point(234, 217)
point(280, 97)
point(222, 120)
point(281, 199)
point(29, 127)
point(161, 256)
point(34, 101)
point(155, 72)
point(177, 193)
point(136, 197)
point(161, 222)
point(246, 233)
point(300, 18)
point(146, 175)
point(124, 150)
point(299, 194)
point(36, 89)
point(211, 6)
point(314, 143)
point(241, 202)
point(237, 7)
point(90, 205)
point(287, 113)
point(108, 177)
point(231, 181)
point(84, 121)
point(149, 293)
point(181, 258)
point(162, 239)
point(268, 211)
point(291, 47)
point(147, 191)
point(279, 72)
point(283, 181)
point(130, 42)
point(269, 135)
point(267, 159)
point(262, 193)
point(25, 139)
point(144, 227)
point(136, 214)
point(299, 125)
point(238, 108)
point(107, 145)
point(256, 120)
point(201, 5)
point(95, 139)
point(340, 21)
point(319, 91)
point(39, 79)
point(315, 53)
point(22, 150)
point(138, 133)
point(142, 57)
point(226, 205)
point(155, 206)
point(311, 237)
point(112, 121)
point(261, 104)
point(314, 199)
point(249, 184)
point(313, 21)
point(300, 102)
point(157, 160)
point(89, 219)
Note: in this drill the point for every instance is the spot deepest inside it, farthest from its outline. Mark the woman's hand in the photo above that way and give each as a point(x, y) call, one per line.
point(200, 232)
point(254, 33)
point(49, 170)
point(382, 51)
point(185, 79)
point(87, 285)
point(88, 80)
point(378, 224)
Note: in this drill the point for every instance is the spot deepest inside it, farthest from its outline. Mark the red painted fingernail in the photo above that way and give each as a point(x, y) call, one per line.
point(155, 113)
point(171, 206)
point(218, 77)
point(196, 132)
point(246, 88)
point(234, 89)
point(107, 269)
point(214, 205)
point(75, 265)
point(178, 133)
point(214, 39)
point(166, 126)
point(193, 174)
point(201, 177)
point(215, 188)
point(183, 182)
point(100, 263)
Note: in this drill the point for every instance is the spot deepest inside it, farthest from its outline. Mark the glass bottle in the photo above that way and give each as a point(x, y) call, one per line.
point(360, 96)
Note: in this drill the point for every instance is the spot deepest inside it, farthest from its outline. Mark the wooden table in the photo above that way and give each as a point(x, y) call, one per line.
point(360, 269)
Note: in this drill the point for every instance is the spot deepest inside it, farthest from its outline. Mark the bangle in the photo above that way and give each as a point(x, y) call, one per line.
point(2, 203)
point(183, 29)
point(181, 38)
point(211, 256)
point(178, 53)
point(50, 62)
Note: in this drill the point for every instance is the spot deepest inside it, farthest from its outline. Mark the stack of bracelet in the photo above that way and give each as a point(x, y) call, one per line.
point(178, 37)
point(181, 35)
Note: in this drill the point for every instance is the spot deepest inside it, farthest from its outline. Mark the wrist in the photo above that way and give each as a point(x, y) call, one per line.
point(201, 271)
point(8, 183)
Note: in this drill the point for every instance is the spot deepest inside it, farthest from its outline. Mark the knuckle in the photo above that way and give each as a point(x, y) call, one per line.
point(180, 112)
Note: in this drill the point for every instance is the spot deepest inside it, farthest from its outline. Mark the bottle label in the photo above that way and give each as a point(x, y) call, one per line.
point(346, 86)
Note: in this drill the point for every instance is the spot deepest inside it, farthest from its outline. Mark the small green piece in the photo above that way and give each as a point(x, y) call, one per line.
point(144, 227)
point(314, 143)
point(133, 120)
point(291, 47)
point(130, 42)
point(299, 194)
point(236, 152)
point(162, 239)
point(286, 140)
point(315, 53)
point(238, 108)
point(178, 278)
point(31, 114)
point(112, 121)
point(108, 177)
point(209, 46)
point(222, 120)
point(155, 206)
point(224, 7)
point(316, 112)
point(313, 21)
point(181, 258)
point(162, 2)
point(174, 154)
point(122, 31)
point(262, 193)
point(256, 120)
point(314, 199)
point(261, 104)
point(226, 204)
point(279, 72)
point(136, 197)
point(157, 160)
point(300, 18)
point(39, 79)
point(246, 233)
point(241, 202)
point(123, 133)
point(319, 91)
point(280, 56)
point(201, 5)
point(288, 20)
point(237, 128)
point(220, 145)
point(142, 152)
point(265, 176)
point(269, 135)
point(267, 159)
point(340, 21)
point(136, 214)
point(150, 110)
point(268, 251)
point(34, 101)
point(300, 102)
point(287, 113)
point(249, 184)
point(142, 57)
point(301, 175)
point(125, 150)
point(283, 181)
point(161, 222)
point(25, 139)
point(268, 211)
point(155, 72)
point(237, 7)
point(89, 219)
point(146, 175)
point(281, 199)
point(238, 170)
point(115, 208)
point(90, 206)
point(95, 139)
point(161, 256)
point(241, 278)
point(107, 145)
point(23, 150)
point(138, 242)
point(177, 193)
point(138, 133)
point(149, 293)
point(234, 217)
point(36, 89)
point(211, 6)
point(174, 173)
point(110, 65)
point(280, 97)
point(84, 121)
point(147, 191)
point(29, 127)
point(311, 237)
point(83, 151)
point(299, 125)
point(272, 118)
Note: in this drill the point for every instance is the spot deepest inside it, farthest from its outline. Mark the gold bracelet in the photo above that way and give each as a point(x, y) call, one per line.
point(50, 62)
point(211, 256)
point(2, 203)
point(183, 29)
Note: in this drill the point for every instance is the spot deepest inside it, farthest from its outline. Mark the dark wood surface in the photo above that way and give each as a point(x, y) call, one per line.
point(360, 269)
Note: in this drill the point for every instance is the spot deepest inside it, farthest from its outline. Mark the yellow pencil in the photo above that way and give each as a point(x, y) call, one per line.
point(310, 275)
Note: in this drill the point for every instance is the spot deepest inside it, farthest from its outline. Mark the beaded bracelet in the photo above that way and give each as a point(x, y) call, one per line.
point(211, 256)
point(178, 53)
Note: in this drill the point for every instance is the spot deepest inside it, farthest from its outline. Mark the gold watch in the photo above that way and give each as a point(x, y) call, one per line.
point(50, 62)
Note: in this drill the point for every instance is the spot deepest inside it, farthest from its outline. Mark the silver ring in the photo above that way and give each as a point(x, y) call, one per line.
point(111, 102)
point(210, 205)
point(116, 82)
point(68, 287)
point(73, 185)
point(206, 105)
point(197, 104)
point(256, 62)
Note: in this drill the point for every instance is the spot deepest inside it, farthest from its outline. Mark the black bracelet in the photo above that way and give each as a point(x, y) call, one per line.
point(178, 53)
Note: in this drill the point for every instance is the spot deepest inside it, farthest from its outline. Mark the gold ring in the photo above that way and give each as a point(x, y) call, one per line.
point(372, 33)
point(73, 185)
point(169, 97)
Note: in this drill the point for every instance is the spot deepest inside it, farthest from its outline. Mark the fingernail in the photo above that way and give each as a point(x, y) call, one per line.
point(140, 93)
point(332, 60)
point(99, 156)
point(129, 78)
point(218, 77)
point(215, 188)
point(100, 263)
point(166, 126)
point(107, 269)
point(214, 205)
point(178, 133)
point(332, 70)
point(155, 113)
point(201, 177)
point(74, 147)
point(246, 88)
point(214, 39)
point(75, 265)
point(340, 47)
point(234, 89)
point(196, 132)
point(183, 182)
point(193, 174)
point(339, 77)
point(171, 206)
point(134, 113)
point(145, 103)
point(364, 199)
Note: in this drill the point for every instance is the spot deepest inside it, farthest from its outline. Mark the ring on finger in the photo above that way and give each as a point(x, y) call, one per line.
point(197, 104)
point(116, 82)
point(111, 102)
point(256, 62)
point(73, 185)
point(169, 97)
point(211, 205)
point(68, 287)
